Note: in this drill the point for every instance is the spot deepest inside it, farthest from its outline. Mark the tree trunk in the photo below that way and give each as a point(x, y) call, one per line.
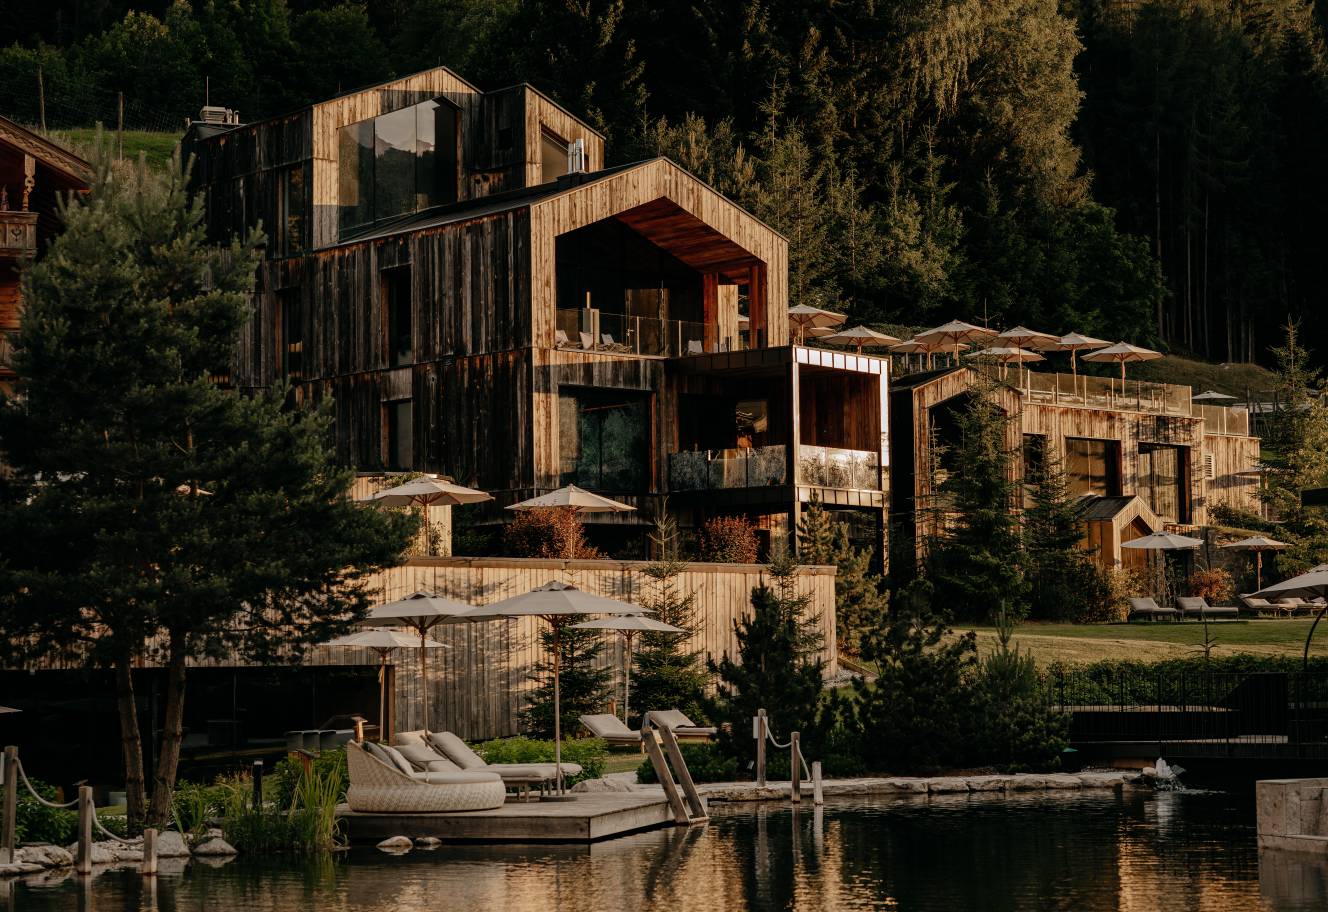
point(131, 742)
point(168, 760)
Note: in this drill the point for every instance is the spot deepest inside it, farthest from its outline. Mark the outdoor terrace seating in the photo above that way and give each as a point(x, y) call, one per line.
point(1145, 609)
point(612, 730)
point(447, 748)
point(1199, 608)
point(383, 786)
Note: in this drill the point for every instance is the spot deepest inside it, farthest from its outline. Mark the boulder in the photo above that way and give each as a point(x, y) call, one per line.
point(171, 844)
point(1062, 781)
point(943, 785)
point(428, 843)
point(901, 784)
point(987, 783)
point(48, 856)
point(214, 847)
point(602, 785)
point(101, 853)
point(19, 867)
point(396, 845)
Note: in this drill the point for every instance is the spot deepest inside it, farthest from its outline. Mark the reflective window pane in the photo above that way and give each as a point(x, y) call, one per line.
point(355, 168)
point(394, 163)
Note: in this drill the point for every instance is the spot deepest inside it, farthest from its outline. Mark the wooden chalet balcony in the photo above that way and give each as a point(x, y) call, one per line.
point(835, 467)
point(18, 234)
point(1106, 393)
point(745, 467)
point(586, 329)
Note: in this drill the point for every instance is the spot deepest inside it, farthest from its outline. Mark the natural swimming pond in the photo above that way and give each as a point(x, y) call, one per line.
point(1137, 851)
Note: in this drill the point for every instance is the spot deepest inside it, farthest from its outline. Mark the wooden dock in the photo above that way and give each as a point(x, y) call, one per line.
point(588, 818)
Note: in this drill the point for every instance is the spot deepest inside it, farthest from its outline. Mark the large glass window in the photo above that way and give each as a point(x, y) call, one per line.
point(397, 163)
point(1093, 466)
point(602, 437)
point(1163, 482)
point(553, 155)
point(290, 346)
point(293, 203)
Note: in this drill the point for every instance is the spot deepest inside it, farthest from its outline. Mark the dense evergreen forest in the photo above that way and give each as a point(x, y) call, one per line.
point(1149, 170)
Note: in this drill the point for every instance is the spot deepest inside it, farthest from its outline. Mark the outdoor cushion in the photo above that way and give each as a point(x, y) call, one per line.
point(415, 737)
point(376, 751)
point(610, 727)
point(456, 750)
point(674, 719)
point(457, 777)
point(426, 759)
point(398, 760)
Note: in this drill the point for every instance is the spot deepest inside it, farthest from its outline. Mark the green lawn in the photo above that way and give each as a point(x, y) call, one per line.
point(1082, 643)
point(1232, 379)
point(156, 146)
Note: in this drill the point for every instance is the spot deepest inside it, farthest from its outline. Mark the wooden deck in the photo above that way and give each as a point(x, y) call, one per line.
point(588, 818)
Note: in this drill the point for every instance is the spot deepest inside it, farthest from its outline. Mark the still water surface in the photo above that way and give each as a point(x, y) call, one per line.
point(1086, 853)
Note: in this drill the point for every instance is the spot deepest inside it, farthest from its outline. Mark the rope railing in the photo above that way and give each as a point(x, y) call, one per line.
point(806, 769)
point(23, 775)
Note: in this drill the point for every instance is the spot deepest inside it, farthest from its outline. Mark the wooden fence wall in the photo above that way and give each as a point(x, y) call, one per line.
point(478, 684)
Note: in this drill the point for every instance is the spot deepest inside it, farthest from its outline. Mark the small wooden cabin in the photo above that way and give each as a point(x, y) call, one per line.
point(481, 297)
point(33, 173)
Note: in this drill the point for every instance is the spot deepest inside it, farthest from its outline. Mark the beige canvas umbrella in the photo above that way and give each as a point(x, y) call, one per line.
point(1213, 397)
point(558, 605)
point(427, 491)
point(860, 337)
point(1075, 343)
point(383, 642)
point(571, 497)
point(1122, 353)
point(1023, 337)
point(1311, 585)
point(804, 317)
point(1006, 355)
point(955, 333)
point(1257, 544)
point(1164, 541)
point(629, 626)
point(421, 612)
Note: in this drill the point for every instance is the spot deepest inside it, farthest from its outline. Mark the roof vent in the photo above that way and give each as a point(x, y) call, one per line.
point(216, 115)
point(576, 157)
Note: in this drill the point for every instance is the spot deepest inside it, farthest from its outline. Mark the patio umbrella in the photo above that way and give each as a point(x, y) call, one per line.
point(1212, 396)
point(1311, 585)
point(860, 337)
point(427, 491)
point(955, 333)
point(1007, 355)
point(383, 642)
point(1023, 337)
point(577, 499)
point(421, 612)
point(1121, 353)
point(804, 317)
point(557, 604)
point(9, 709)
point(1164, 541)
point(629, 626)
point(1075, 343)
point(1257, 544)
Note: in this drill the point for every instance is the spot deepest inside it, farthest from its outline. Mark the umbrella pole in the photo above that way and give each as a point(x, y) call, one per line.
point(424, 682)
point(627, 676)
point(557, 705)
point(383, 733)
point(1258, 570)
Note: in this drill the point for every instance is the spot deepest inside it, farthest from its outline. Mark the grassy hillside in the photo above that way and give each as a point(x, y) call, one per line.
point(156, 146)
point(1232, 379)
point(1083, 643)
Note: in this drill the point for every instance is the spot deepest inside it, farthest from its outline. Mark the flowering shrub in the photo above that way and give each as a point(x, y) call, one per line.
point(727, 540)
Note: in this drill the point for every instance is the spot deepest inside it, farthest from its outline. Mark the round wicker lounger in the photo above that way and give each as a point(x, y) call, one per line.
point(376, 787)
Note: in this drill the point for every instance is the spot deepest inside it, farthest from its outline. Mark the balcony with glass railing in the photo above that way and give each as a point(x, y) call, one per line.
point(591, 330)
point(744, 467)
point(835, 467)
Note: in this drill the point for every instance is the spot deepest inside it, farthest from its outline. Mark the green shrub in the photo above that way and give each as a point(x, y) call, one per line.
point(194, 804)
point(588, 753)
point(727, 540)
point(1012, 726)
point(279, 786)
point(303, 820)
point(39, 823)
point(706, 763)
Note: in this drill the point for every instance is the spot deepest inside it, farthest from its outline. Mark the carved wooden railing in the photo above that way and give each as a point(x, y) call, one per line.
point(18, 234)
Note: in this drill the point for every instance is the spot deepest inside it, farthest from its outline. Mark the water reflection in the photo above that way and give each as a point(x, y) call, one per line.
point(1170, 851)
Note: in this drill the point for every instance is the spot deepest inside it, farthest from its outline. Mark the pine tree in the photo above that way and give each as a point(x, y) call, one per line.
point(667, 674)
point(778, 667)
point(860, 596)
point(584, 686)
point(1064, 583)
point(147, 512)
point(976, 563)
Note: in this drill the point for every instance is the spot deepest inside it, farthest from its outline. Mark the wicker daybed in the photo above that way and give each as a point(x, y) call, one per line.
point(377, 787)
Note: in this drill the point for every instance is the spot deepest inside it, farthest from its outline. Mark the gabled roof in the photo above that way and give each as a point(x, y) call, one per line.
point(57, 158)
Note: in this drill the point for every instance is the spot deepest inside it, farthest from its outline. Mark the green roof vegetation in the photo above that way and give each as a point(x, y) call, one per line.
point(1233, 379)
point(158, 147)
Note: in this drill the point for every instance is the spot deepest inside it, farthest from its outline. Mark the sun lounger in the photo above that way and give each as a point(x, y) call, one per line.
point(1289, 606)
point(448, 747)
point(1199, 608)
point(612, 730)
point(379, 785)
point(1147, 609)
point(683, 728)
point(1260, 606)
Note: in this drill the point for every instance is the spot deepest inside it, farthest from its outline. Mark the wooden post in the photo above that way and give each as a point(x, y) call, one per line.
point(149, 868)
point(795, 770)
point(258, 785)
point(9, 824)
point(359, 731)
point(818, 797)
point(41, 99)
point(760, 747)
point(83, 862)
point(665, 778)
point(119, 126)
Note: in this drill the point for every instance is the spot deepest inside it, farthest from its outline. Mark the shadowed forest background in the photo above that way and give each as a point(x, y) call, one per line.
point(1148, 170)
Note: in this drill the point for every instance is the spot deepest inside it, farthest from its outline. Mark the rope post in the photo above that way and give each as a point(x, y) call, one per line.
point(760, 747)
point(258, 785)
point(818, 796)
point(149, 852)
point(795, 770)
point(9, 824)
point(83, 863)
